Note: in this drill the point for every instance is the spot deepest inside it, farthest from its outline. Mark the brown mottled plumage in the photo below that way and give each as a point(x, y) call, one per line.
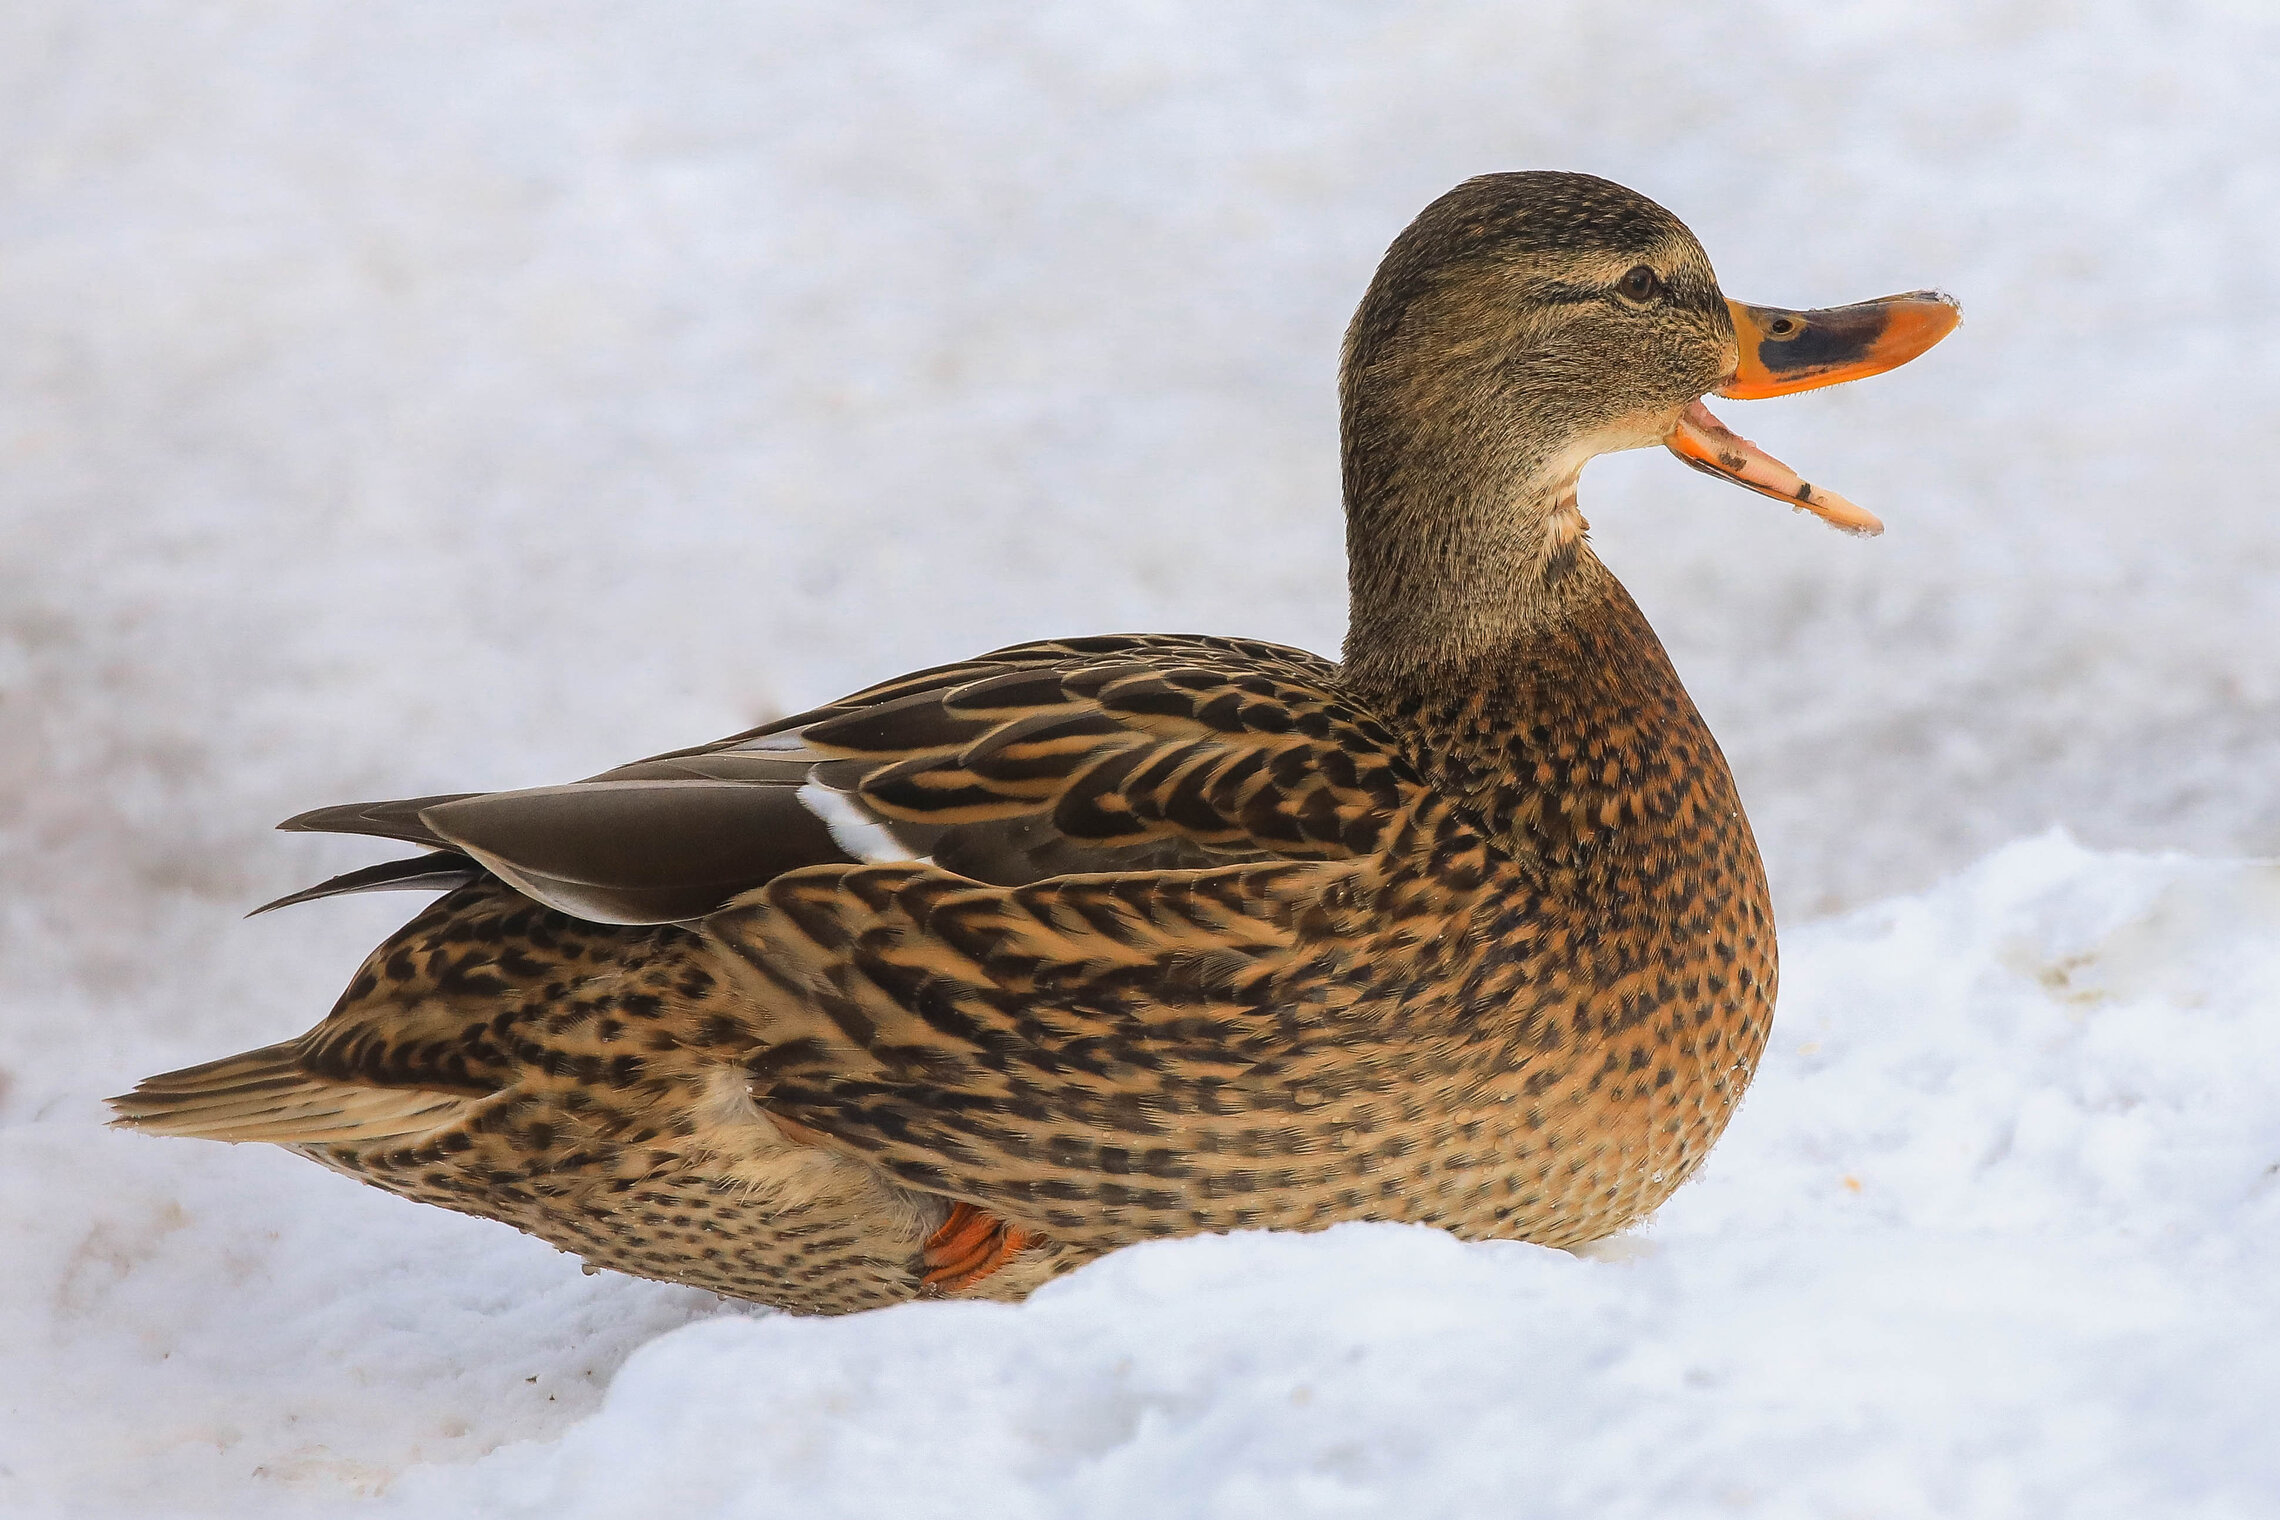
point(959, 982)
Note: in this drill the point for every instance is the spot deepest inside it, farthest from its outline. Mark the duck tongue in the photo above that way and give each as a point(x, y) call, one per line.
point(1715, 449)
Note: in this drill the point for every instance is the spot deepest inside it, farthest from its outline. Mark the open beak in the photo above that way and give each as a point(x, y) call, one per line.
point(1782, 352)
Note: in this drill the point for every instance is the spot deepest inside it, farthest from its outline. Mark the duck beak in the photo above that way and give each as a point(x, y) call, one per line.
point(1783, 352)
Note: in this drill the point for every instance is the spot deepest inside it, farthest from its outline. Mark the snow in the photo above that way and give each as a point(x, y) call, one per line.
point(409, 399)
point(1991, 1236)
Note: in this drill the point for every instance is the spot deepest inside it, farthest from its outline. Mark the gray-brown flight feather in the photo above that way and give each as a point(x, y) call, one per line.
point(1130, 753)
point(438, 871)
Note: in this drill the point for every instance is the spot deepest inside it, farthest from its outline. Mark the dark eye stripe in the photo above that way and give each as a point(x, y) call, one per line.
point(1685, 291)
point(1561, 293)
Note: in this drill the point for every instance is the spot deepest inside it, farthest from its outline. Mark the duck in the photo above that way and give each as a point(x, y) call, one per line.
point(950, 986)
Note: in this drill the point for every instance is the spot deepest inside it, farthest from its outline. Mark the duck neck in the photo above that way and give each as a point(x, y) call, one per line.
point(1463, 537)
point(1522, 675)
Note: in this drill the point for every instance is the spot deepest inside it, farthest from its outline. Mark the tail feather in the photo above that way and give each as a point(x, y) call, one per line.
point(399, 819)
point(436, 872)
point(265, 1095)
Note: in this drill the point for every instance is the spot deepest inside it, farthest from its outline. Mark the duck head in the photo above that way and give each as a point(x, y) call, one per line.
point(1521, 326)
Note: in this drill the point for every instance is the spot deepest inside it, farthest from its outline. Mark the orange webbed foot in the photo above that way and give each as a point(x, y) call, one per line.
point(970, 1245)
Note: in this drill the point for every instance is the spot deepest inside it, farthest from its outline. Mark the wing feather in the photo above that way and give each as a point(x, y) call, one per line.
point(1134, 753)
point(438, 871)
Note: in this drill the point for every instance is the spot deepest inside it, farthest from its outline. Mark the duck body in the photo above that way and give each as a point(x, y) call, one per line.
point(952, 985)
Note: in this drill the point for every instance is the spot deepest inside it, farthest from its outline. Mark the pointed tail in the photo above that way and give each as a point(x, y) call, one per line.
point(266, 1095)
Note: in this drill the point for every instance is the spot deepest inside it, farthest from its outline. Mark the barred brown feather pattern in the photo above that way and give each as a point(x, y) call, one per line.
point(1512, 984)
point(1527, 1015)
point(1155, 742)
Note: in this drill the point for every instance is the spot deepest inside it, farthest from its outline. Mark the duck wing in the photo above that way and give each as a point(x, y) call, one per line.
point(1101, 1059)
point(1118, 754)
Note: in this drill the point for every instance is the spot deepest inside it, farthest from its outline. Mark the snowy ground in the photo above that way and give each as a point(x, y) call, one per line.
point(414, 398)
point(1992, 1236)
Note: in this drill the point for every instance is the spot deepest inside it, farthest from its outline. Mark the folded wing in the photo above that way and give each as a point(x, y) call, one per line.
point(1135, 753)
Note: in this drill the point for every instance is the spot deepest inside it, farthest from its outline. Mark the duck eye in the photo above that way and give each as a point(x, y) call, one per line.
point(1640, 284)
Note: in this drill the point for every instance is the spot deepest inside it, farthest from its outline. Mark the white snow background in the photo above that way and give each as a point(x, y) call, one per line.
point(423, 397)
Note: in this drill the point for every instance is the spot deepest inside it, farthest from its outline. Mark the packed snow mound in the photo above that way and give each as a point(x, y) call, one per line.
point(1991, 1236)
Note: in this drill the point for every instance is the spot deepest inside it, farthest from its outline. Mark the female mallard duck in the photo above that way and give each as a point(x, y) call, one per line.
point(957, 983)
